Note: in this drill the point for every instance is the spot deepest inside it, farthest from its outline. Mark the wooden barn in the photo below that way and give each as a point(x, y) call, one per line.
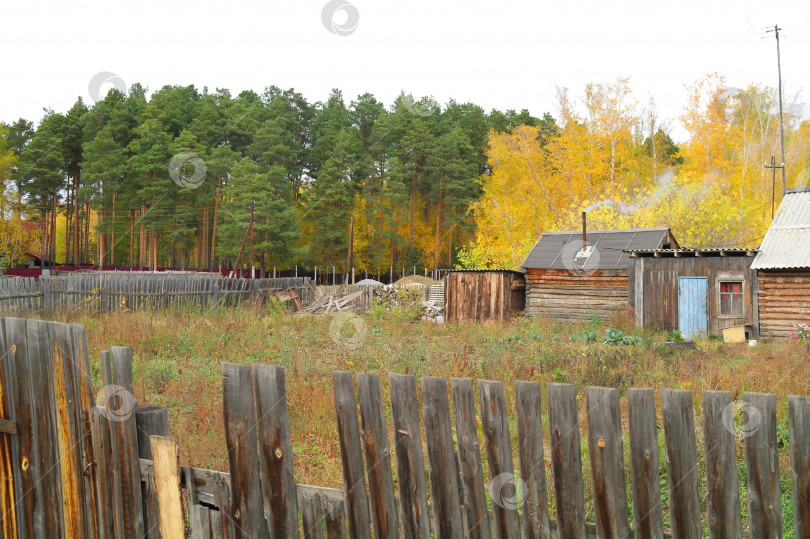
point(696, 291)
point(783, 267)
point(576, 275)
point(483, 294)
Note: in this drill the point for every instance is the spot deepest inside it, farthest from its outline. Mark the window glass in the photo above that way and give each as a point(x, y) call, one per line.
point(731, 298)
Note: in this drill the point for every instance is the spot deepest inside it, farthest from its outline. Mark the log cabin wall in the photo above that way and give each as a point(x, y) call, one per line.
point(783, 301)
point(563, 295)
point(483, 295)
point(653, 289)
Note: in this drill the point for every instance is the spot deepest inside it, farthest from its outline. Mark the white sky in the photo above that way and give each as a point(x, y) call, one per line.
point(499, 54)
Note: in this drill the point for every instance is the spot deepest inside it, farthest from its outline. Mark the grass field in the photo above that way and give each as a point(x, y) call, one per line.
point(176, 356)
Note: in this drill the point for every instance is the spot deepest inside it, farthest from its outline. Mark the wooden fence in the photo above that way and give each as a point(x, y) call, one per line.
point(73, 469)
point(109, 292)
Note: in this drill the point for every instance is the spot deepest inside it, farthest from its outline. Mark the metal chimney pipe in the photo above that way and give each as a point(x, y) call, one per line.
point(584, 231)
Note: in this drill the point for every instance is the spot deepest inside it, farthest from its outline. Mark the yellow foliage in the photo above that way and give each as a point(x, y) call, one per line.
point(717, 194)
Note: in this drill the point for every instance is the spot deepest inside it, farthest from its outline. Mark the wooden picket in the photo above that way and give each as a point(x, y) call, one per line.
point(110, 471)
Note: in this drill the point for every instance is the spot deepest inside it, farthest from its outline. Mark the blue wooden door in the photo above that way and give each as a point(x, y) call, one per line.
point(692, 317)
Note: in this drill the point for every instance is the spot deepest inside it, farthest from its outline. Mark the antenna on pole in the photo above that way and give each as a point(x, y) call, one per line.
point(775, 31)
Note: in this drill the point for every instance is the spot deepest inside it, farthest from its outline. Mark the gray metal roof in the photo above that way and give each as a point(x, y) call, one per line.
point(787, 243)
point(688, 252)
point(557, 250)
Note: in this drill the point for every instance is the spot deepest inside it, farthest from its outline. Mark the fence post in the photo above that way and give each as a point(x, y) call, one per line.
point(151, 420)
point(799, 430)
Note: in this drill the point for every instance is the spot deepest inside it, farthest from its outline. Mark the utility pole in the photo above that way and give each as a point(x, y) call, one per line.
point(781, 121)
point(773, 166)
point(252, 274)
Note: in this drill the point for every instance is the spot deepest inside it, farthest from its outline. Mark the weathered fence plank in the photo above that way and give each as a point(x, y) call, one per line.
point(378, 457)
point(469, 456)
point(81, 365)
point(722, 484)
point(150, 420)
point(120, 403)
point(312, 516)
point(16, 484)
point(335, 518)
point(104, 402)
point(679, 432)
point(502, 480)
point(647, 513)
point(276, 453)
point(607, 462)
point(71, 432)
point(566, 458)
point(102, 449)
point(167, 484)
point(410, 459)
point(239, 415)
point(799, 431)
point(151, 509)
point(532, 462)
point(762, 458)
point(354, 479)
point(444, 485)
point(34, 482)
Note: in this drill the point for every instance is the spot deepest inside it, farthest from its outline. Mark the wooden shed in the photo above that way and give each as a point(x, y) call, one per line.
point(574, 276)
point(696, 291)
point(483, 294)
point(783, 267)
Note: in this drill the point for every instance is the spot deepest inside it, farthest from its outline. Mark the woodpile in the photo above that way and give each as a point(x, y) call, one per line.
point(332, 303)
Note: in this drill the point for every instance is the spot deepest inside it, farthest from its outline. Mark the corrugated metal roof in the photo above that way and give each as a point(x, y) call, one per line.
point(686, 252)
point(787, 243)
point(558, 250)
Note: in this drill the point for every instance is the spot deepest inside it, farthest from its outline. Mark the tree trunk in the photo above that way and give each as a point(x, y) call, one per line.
point(131, 238)
point(112, 233)
point(438, 229)
point(450, 247)
point(214, 228)
point(154, 250)
point(413, 210)
point(142, 248)
point(76, 224)
point(68, 219)
point(53, 229)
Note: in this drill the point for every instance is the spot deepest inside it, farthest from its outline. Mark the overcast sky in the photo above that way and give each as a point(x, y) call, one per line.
point(498, 54)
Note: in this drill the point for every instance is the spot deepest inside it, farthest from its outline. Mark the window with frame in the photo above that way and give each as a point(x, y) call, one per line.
point(731, 298)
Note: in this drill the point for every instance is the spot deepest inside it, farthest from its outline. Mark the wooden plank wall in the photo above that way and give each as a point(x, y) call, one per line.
point(783, 301)
point(106, 488)
point(653, 288)
point(563, 295)
point(485, 295)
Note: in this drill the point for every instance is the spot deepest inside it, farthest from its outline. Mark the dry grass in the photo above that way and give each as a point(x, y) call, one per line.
point(177, 354)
